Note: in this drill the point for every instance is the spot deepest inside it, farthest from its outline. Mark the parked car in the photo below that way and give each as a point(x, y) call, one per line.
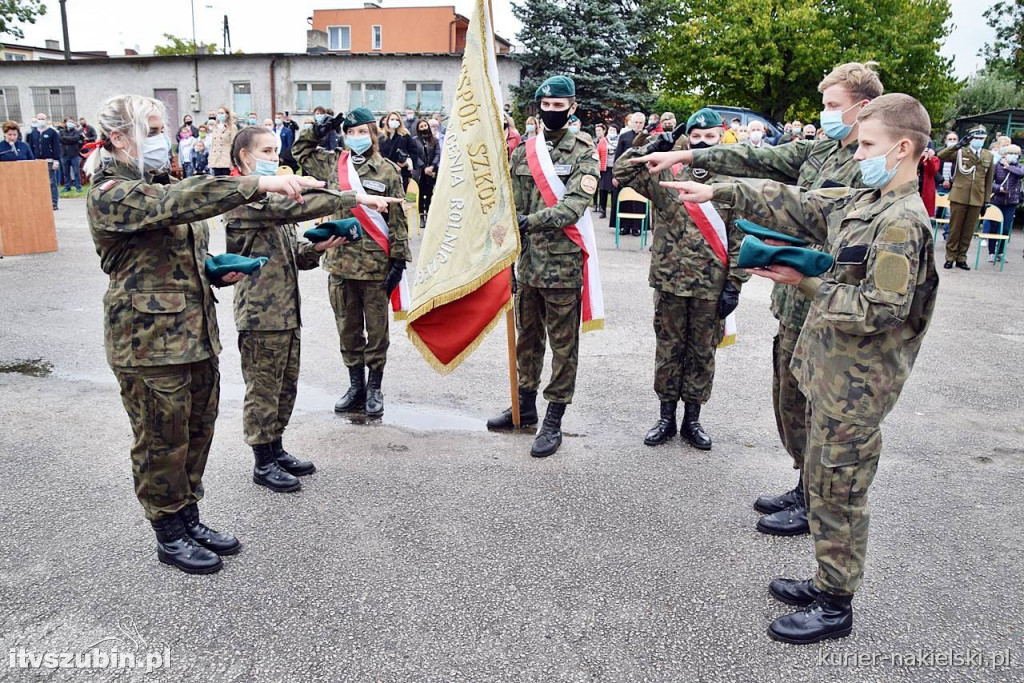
point(773, 129)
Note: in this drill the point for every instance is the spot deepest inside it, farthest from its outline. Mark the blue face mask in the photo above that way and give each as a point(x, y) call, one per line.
point(832, 123)
point(264, 168)
point(873, 173)
point(977, 144)
point(358, 143)
point(320, 118)
point(530, 128)
point(1012, 158)
point(574, 129)
point(155, 151)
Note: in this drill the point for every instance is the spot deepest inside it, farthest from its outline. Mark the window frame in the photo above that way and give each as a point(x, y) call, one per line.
point(376, 37)
point(308, 87)
point(240, 115)
point(341, 47)
point(383, 89)
point(418, 108)
point(10, 103)
point(60, 111)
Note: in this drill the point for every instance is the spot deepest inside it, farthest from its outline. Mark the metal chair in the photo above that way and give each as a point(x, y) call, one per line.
point(412, 207)
point(628, 194)
point(996, 216)
point(941, 203)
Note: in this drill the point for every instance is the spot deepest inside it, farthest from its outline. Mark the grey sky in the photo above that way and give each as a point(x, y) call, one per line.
point(271, 26)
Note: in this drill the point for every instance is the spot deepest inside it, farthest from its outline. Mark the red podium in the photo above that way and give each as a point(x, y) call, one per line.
point(26, 209)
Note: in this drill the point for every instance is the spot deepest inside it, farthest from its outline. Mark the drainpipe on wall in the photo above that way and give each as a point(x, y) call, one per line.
point(273, 90)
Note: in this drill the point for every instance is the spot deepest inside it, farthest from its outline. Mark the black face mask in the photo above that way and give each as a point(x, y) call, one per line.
point(554, 120)
point(425, 133)
point(700, 145)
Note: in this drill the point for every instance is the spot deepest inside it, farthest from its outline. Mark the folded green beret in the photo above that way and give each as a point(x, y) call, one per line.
point(348, 228)
point(557, 86)
point(756, 254)
point(764, 233)
point(357, 117)
point(703, 118)
point(222, 264)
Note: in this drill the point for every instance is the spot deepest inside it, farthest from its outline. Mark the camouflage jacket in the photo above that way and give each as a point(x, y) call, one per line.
point(548, 257)
point(152, 241)
point(268, 300)
point(974, 187)
point(682, 261)
point(811, 164)
point(869, 313)
point(365, 259)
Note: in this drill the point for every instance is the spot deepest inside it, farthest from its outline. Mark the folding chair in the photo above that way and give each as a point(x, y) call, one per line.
point(941, 204)
point(628, 194)
point(412, 207)
point(995, 215)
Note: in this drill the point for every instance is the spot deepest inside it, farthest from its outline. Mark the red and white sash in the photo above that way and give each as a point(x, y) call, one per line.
point(376, 227)
point(712, 227)
point(552, 190)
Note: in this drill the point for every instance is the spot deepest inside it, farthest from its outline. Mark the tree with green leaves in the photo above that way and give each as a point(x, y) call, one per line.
point(987, 90)
point(1006, 54)
point(17, 11)
point(605, 47)
point(769, 56)
point(180, 46)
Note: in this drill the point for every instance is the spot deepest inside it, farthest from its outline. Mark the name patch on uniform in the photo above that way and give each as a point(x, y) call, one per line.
point(852, 256)
point(107, 185)
point(374, 185)
point(589, 184)
point(563, 169)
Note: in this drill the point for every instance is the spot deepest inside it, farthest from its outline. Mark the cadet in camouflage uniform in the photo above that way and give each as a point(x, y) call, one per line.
point(693, 290)
point(267, 304)
point(974, 169)
point(810, 165)
point(867, 320)
point(549, 296)
point(160, 323)
point(362, 274)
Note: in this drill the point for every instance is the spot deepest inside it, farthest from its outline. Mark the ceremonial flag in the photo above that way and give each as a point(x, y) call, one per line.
point(461, 285)
point(712, 227)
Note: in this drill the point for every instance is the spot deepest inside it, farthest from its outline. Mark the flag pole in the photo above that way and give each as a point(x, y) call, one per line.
point(513, 375)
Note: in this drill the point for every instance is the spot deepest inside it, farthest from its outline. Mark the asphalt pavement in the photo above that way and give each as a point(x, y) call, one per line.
point(427, 549)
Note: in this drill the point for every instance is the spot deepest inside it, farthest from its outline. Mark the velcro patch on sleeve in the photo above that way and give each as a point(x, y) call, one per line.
point(895, 234)
point(892, 272)
point(589, 184)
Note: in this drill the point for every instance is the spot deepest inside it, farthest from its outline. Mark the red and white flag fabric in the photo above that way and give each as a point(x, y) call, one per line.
point(375, 226)
point(712, 227)
point(552, 189)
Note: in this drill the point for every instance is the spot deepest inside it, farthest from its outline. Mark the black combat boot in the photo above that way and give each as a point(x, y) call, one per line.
point(355, 397)
point(176, 548)
point(767, 505)
point(289, 463)
point(268, 473)
point(794, 591)
point(220, 543)
point(829, 617)
point(527, 413)
point(962, 265)
point(691, 428)
point(374, 396)
point(549, 438)
point(665, 428)
point(789, 522)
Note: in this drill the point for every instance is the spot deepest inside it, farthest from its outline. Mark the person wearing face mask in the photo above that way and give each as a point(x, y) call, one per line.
point(812, 165)
point(974, 168)
point(396, 145)
point(363, 275)
point(809, 132)
point(160, 317)
point(267, 302)
point(927, 169)
point(221, 136)
point(1006, 187)
point(187, 121)
point(552, 279)
point(45, 144)
point(604, 185)
point(756, 137)
point(731, 135)
point(185, 145)
point(694, 288)
point(428, 147)
point(530, 128)
point(71, 142)
point(870, 313)
point(253, 119)
point(628, 226)
point(285, 139)
point(945, 180)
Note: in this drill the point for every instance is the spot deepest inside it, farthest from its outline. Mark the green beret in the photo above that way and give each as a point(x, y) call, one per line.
point(557, 86)
point(703, 118)
point(357, 117)
point(756, 254)
point(574, 119)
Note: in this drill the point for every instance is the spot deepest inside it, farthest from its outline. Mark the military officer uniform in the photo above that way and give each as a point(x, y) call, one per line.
point(268, 321)
point(358, 270)
point(811, 165)
point(689, 281)
point(973, 173)
point(865, 326)
point(548, 302)
point(162, 340)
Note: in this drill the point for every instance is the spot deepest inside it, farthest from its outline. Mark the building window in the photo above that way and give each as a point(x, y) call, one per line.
point(339, 38)
point(241, 99)
point(375, 38)
point(423, 98)
point(57, 102)
point(309, 96)
point(373, 96)
point(11, 57)
point(10, 108)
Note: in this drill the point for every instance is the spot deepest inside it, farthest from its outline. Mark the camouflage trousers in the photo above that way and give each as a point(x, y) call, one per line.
point(688, 331)
point(963, 219)
point(172, 409)
point(787, 399)
point(270, 368)
point(554, 314)
point(839, 466)
point(361, 305)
